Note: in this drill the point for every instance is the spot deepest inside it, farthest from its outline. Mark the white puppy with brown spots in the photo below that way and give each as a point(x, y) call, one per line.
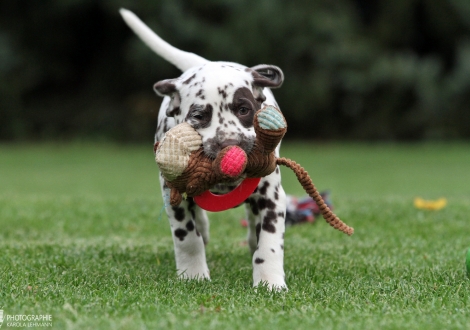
point(219, 99)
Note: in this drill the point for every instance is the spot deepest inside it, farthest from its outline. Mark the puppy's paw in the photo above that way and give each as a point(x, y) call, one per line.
point(272, 286)
point(194, 275)
point(273, 280)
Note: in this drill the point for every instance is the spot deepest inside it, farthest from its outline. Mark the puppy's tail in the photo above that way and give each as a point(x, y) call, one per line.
point(181, 59)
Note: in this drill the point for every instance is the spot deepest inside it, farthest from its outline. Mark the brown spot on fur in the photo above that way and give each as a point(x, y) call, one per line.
point(268, 221)
point(187, 81)
point(190, 225)
point(181, 233)
point(179, 213)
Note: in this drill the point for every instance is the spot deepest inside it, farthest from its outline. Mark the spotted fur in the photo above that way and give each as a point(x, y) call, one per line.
point(219, 99)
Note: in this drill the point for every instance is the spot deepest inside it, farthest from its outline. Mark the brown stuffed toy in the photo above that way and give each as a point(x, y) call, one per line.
point(189, 172)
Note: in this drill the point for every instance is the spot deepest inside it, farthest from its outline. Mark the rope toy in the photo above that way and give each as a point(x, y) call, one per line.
point(189, 172)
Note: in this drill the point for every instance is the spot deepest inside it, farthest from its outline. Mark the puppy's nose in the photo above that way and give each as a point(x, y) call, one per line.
point(228, 142)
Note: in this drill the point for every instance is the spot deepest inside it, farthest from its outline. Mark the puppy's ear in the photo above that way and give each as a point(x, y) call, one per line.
point(265, 75)
point(169, 88)
point(165, 87)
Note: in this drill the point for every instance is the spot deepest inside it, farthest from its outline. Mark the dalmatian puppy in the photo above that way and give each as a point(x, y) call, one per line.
point(219, 100)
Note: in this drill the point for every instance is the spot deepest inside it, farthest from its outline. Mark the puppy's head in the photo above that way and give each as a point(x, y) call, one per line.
point(219, 100)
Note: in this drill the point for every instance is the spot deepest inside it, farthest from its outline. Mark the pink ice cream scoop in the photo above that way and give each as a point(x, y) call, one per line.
point(233, 161)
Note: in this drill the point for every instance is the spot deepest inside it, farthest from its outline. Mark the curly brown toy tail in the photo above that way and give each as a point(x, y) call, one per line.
point(309, 187)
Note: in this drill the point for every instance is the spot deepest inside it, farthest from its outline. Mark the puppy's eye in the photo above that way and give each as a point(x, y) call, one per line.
point(197, 114)
point(243, 111)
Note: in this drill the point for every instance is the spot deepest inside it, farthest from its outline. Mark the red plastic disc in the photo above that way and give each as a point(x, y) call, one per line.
point(215, 203)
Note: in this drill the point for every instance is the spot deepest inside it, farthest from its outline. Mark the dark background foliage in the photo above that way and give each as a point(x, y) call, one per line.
point(355, 69)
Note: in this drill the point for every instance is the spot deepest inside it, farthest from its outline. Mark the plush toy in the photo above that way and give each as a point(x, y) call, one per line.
point(189, 172)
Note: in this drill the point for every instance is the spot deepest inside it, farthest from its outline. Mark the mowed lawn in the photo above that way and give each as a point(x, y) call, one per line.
point(83, 238)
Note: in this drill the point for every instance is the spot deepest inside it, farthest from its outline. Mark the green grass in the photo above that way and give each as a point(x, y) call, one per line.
point(82, 238)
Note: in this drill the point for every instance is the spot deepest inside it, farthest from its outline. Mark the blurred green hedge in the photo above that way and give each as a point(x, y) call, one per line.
point(355, 69)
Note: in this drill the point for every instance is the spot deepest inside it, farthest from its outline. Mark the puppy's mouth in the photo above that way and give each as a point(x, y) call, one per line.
point(226, 187)
point(212, 147)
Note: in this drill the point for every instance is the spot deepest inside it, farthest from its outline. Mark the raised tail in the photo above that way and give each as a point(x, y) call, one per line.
point(181, 59)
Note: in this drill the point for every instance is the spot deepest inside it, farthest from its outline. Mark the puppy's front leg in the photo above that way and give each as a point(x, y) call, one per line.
point(268, 257)
point(189, 245)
